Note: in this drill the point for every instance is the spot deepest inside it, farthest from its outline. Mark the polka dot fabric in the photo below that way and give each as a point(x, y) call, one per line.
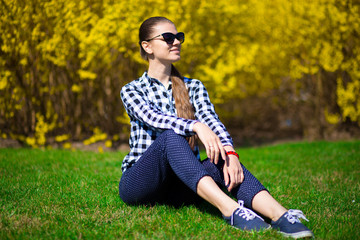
point(169, 169)
point(245, 191)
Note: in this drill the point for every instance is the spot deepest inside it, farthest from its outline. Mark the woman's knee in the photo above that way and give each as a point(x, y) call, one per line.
point(172, 137)
point(169, 133)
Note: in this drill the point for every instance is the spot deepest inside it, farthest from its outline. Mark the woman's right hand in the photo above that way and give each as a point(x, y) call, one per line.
point(211, 142)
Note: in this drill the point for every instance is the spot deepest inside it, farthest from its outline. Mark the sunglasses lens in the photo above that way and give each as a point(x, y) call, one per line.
point(180, 36)
point(170, 37)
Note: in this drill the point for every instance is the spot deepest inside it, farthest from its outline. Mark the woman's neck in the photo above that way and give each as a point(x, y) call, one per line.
point(160, 72)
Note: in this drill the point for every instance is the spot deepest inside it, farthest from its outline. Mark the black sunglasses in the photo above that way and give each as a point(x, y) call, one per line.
point(169, 37)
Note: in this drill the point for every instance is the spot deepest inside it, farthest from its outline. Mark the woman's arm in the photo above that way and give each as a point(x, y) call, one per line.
point(233, 172)
point(205, 113)
point(137, 107)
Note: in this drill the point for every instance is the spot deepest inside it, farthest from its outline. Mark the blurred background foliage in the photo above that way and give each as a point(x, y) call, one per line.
point(274, 69)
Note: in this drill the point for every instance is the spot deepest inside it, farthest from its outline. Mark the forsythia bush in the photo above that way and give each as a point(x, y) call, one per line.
point(63, 62)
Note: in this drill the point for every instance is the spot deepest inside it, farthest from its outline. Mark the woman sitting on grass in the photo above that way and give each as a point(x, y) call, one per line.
point(168, 112)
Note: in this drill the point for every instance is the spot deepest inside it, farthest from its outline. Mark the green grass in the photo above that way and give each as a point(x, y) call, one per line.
point(74, 195)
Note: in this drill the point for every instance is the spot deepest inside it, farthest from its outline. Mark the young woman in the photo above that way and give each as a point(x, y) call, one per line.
point(168, 113)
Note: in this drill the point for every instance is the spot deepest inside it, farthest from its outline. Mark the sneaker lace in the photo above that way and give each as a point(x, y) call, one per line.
point(293, 216)
point(244, 212)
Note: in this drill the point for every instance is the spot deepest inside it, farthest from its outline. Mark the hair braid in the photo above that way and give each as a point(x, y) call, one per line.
point(183, 105)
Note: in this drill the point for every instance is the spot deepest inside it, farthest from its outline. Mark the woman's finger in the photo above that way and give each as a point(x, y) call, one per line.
point(223, 153)
point(219, 149)
point(232, 184)
point(241, 174)
point(226, 177)
point(236, 178)
point(216, 154)
point(212, 149)
point(233, 180)
point(208, 152)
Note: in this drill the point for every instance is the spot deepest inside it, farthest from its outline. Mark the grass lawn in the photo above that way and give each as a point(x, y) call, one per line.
point(47, 194)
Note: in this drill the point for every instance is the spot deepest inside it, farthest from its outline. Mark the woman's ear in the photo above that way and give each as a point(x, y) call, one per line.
point(147, 47)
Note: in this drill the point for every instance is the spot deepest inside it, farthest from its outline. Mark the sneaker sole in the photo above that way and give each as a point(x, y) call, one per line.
point(303, 234)
point(250, 230)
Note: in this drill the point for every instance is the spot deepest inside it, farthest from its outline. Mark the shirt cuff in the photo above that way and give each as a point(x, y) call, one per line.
point(191, 126)
point(227, 142)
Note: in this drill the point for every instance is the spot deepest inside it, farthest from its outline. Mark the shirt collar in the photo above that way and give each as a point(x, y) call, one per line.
point(149, 81)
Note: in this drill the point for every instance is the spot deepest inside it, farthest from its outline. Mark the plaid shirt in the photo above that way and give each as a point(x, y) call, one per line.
point(151, 109)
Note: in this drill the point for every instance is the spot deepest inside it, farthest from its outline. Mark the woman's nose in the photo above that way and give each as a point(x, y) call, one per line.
point(176, 42)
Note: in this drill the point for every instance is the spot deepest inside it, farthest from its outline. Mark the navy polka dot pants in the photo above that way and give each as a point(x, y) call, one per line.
point(168, 172)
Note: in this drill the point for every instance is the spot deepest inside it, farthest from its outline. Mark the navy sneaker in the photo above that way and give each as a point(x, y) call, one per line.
point(290, 226)
point(246, 219)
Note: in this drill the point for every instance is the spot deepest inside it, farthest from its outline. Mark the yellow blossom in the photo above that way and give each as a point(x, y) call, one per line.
point(67, 145)
point(108, 144)
point(100, 149)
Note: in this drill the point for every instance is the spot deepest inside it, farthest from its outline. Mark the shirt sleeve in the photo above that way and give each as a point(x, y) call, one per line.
point(205, 113)
point(138, 108)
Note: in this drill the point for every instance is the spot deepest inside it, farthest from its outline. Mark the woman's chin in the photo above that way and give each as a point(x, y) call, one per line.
point(176, 58)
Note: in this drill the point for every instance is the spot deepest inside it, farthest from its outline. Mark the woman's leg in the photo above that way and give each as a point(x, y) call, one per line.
point(251, 191)
point(265, 204)
point(235, 214)
point(147, 181)
point(255, 196)
point(151, 177)
point(210, 191)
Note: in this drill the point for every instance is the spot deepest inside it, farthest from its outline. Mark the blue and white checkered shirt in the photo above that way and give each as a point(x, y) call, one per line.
point(151, 108)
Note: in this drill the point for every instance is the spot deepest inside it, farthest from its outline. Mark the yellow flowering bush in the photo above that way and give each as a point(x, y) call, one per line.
point(96, 137)
point(63, 62)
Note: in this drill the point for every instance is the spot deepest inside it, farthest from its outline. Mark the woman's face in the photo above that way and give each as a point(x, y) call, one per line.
point(158, 49)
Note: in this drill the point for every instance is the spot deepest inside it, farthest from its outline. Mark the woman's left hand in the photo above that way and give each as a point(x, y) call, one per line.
point(233, 172)
point(212, 143)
